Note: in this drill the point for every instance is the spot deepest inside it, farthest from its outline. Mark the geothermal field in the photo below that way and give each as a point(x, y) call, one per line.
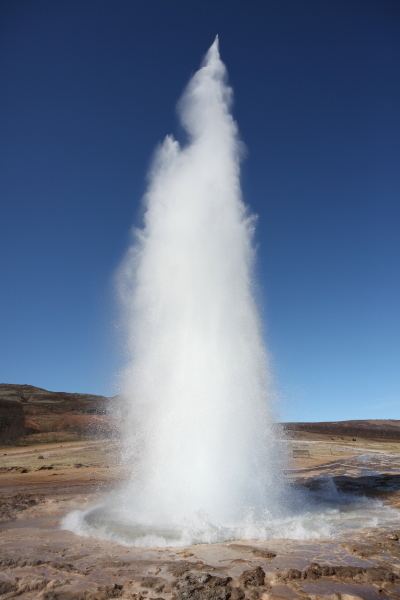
point(185, 485)
point(341, 541)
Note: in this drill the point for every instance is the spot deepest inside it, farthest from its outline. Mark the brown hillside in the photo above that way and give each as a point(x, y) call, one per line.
point(28, 410)
point(41, 414)
point(382, 429)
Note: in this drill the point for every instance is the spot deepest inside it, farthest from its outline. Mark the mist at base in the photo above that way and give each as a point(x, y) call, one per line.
point(323, 515)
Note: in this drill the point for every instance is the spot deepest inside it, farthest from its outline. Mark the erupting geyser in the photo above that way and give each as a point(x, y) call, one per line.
point(199, 427)
point(203, 462)
point(199, 436)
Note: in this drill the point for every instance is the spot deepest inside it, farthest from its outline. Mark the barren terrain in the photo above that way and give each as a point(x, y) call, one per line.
point(41, 481)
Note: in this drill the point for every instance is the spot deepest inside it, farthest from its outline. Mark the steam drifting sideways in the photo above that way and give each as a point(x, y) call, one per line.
point(199, 435)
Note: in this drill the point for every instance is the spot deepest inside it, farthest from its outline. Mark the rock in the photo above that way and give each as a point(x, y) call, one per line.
point(380, 575)
point(359, 574)
point(151, 582)
point(180, 567)
point(67, 592)
point(114, 591)
point(203, 586)
point(12, 420)
point(237, 594)
point(10, 507)
point(7, 585)
point(315, 571)
point(253, 577)
point(264, 553)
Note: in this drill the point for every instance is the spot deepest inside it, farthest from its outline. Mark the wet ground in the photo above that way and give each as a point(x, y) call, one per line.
point(39, 484)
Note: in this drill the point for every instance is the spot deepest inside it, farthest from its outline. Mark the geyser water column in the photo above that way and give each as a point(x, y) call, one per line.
point(199, 432)
point(198, 436)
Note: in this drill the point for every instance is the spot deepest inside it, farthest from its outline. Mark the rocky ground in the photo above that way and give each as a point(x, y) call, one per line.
point(58, 454)
point(39, 483)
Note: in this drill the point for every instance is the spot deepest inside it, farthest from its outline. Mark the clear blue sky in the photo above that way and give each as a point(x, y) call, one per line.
point(89, 88)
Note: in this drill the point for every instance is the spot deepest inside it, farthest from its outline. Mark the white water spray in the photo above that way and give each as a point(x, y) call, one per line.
point(197, 386)
point(199, 437)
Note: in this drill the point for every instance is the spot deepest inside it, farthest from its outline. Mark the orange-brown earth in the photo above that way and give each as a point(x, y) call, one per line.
point(45, 474)
point(34, 414)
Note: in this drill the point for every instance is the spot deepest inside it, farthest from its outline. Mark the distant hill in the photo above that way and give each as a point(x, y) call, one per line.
point(34, 414)
point(30, 411)
point(384, 429)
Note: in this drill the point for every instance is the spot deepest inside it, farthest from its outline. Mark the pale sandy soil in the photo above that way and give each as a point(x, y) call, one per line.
point(40, 483)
